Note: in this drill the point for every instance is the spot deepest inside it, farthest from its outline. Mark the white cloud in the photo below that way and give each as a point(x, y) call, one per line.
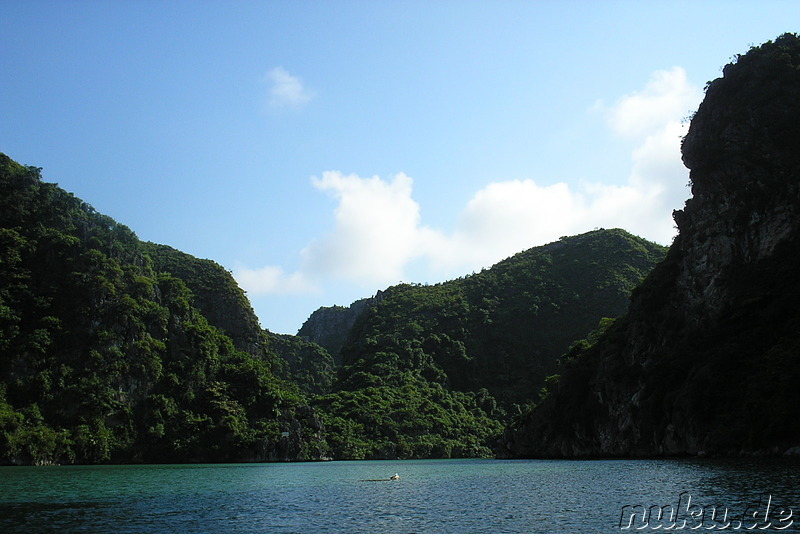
point(511, 216)
point(286, 90)
point(378, 231)
point(654, 117)
point(667, 97)
point(506, 217)
point(272, 280)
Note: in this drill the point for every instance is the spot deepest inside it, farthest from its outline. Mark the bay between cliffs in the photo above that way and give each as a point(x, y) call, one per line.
point(432, 496)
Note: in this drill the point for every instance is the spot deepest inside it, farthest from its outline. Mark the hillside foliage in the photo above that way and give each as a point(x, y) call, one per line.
point(436, 369)
point(104, 352)
point(117, 350)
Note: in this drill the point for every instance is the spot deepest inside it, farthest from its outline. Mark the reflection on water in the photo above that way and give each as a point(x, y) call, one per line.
point(433, 496)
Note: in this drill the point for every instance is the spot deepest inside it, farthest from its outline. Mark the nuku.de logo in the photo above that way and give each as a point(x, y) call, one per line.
point(763, 515)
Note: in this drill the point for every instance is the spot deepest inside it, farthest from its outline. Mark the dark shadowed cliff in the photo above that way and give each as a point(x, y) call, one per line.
point(707, 359)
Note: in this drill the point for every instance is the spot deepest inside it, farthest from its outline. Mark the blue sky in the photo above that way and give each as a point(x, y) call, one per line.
point(322, 151)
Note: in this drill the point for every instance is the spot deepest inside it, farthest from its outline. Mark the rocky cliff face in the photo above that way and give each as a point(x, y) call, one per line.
point(706, 360)
point(329, 326)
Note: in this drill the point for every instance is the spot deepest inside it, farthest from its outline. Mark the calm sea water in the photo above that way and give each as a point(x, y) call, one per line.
point(433, 496)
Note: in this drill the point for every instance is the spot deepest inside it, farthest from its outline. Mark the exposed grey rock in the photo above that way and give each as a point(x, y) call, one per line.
point(330, 326)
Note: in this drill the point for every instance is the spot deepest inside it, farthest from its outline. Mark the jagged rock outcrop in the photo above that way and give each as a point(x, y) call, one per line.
point(707, 358)
point(329, 326)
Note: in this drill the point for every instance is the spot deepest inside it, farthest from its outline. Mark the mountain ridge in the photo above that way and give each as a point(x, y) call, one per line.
point(118, 350)
point(479, 347)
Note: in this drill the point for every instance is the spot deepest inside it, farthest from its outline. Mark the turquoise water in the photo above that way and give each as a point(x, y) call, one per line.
point(459, 496)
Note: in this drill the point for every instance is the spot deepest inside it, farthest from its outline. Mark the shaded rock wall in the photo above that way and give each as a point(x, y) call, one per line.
point(706, 360)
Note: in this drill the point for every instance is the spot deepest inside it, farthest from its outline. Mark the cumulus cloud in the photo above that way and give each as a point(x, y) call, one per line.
point(378, 231)
point(286, 90)
point(377, 228)
point(654, 117)
point(273, 280)
point(506, 217)
point(667, 97)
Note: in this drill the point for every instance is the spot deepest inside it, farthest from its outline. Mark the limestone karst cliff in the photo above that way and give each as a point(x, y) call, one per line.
point(329, 326)
point(707, 359)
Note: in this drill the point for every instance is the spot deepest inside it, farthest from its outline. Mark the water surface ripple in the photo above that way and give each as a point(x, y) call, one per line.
point(433, 496)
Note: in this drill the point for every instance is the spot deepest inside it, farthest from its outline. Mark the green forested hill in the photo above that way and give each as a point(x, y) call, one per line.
point(116, 350)
point(433, 370)
point(215, 292)
point(306, 364)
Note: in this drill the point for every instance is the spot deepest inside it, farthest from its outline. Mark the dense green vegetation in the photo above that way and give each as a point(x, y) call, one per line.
point(116, 350)
point(214, 292)
point(303, 363)
point(434, 370)
point(104, 352)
